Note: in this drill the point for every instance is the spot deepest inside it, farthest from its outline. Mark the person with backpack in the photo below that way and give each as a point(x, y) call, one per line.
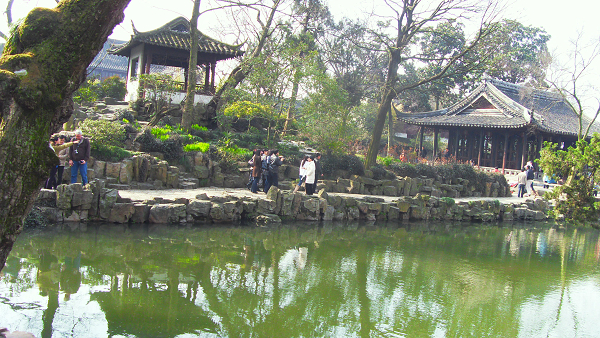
point(274, 161)
point(530, 177)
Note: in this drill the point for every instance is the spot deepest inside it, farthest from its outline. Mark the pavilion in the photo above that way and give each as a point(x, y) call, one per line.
point(501, 124)
point(168, 47)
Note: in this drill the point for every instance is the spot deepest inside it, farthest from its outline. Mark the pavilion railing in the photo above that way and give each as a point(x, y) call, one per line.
point(200, 89)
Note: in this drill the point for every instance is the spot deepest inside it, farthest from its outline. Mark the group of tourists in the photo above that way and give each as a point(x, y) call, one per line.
point(265, 171)
point(76, 152)
point(265, 168)
point(525, 181)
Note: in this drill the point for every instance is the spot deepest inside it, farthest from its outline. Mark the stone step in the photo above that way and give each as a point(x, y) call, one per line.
point(188, 185)
point(118, 186)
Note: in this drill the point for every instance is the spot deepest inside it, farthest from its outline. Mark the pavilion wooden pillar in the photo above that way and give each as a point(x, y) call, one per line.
point(540, 145)
point(435, 142)
point(524, 152)
point(504, 154)
point(494, 150)
point(480, 150)
point(470, 142)
point(421, 130)
point(206, 76)
point(456, 137)
point(213, 66)
point(148, 58)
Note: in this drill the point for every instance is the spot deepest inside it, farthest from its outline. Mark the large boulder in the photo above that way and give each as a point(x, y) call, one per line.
point(121, 212)
point(167, 213)
point(199, 209)
point(108, 198)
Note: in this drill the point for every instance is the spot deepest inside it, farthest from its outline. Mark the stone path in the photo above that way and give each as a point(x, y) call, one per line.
point(140, 195)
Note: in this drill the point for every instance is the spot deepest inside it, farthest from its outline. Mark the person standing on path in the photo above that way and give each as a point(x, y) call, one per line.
point(274, 161)
point(318, 168)
point(57, 144)
point(79, 155)
point(522, 181)
point(530, 177)
point(256, 171)
point(302, 173)
point(310, 167)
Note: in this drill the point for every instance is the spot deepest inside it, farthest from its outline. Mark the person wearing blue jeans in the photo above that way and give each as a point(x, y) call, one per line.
point(79, 155)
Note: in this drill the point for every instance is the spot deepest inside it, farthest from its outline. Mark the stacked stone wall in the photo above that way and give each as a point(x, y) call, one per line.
point(96, 202)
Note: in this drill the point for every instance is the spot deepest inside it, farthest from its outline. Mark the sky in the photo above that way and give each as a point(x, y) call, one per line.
point(564, 21)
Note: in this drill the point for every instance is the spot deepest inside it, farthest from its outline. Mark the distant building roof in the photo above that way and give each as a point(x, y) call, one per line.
point(499, 104)
point(176, 34)
point(110, 62)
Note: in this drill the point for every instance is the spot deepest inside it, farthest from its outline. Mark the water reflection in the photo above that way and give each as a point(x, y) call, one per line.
point(339, 280)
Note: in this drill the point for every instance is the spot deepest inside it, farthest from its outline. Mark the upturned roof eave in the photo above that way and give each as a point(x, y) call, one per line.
point(139, 37)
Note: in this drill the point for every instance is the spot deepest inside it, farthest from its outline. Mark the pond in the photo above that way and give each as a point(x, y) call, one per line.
point(304, 280)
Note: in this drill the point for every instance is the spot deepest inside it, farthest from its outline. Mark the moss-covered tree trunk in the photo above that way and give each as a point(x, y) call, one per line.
point(42, 64)
point(188, 108)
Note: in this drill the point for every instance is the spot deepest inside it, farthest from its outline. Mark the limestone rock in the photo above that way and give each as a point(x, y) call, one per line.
point(199, 208)
point(141, 213)
point(113, 170)
point(121, 212)
point(267, 219)
point(108, 198)
point(167, 213)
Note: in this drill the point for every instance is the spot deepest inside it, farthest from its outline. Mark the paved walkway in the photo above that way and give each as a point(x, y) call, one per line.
point(140, 195)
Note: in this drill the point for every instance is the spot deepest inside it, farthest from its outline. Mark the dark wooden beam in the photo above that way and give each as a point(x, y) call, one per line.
point(504, 154)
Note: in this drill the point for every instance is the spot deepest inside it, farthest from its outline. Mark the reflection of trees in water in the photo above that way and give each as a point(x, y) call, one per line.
point(334, 280)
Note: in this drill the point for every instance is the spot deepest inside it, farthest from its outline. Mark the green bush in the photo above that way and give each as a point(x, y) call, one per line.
point(92, 89)
point(380, 173)
point(350, 163)
point(114, 87)
point(110, 153)
point(197, 127)
point(198, 146)
point(108, 133)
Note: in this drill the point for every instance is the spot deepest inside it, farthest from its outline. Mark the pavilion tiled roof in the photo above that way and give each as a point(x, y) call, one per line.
point(513, 106)
point(107, 61)
point(176, 34)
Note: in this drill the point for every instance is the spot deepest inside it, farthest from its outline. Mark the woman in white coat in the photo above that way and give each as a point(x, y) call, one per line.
point(310, 168)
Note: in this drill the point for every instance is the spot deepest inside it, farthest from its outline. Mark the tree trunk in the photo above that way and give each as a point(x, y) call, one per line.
point(54, 47)
point(239, 73)
point(384, 108)
point(188, 109)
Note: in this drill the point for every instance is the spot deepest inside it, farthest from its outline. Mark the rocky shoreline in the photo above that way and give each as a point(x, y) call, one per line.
point(96, 202)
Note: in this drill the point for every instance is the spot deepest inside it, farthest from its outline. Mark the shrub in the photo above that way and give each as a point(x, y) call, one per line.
point(380, 173)
point(197, 127)
point(108, 133)
point(350, 163)
point(173, 148)
point(198, 146)
point(114, 87)
point(403, 169)
point(235, 153)
point(124, 114)
point(110, 153)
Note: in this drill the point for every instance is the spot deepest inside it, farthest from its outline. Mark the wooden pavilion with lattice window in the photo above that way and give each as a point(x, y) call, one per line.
point(501, 124)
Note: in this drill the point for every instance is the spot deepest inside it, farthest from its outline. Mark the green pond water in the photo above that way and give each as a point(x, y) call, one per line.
point(304, 280)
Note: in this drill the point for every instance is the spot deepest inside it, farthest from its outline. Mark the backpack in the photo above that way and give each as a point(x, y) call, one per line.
point(272, 164)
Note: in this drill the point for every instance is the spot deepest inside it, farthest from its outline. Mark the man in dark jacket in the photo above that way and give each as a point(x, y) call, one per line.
point(79, 155)
point(274, 162)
